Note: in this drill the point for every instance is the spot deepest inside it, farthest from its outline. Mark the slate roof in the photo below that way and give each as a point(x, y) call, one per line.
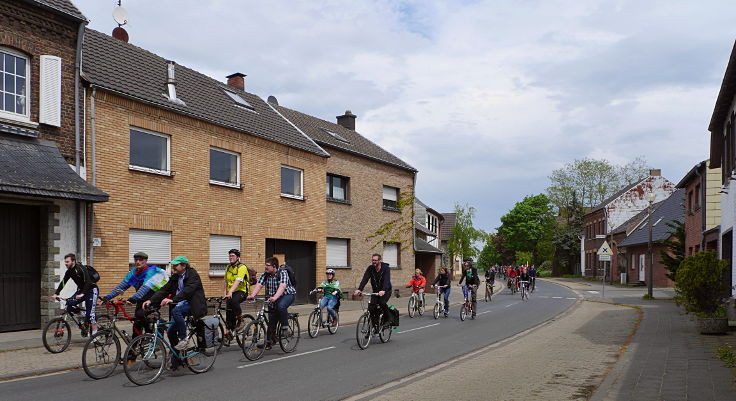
point(62, 6)
point(447, 225)
point(669, 210)
point(138, 74)
point(423, 229)
point(636, 219)
point(35, 167)
point(423, 246)
point(354, 142)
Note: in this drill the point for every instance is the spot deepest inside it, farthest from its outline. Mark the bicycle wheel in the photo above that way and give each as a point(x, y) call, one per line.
point(240, 326)
point(314, 323)
point(385, 333)
point(463, 312)
point(101, 354)
point(254, 340)
point(103, 322)
point(203, 358)
point(364, 331)
point(412, 306)
point(145, 359)
point(57, 335)
point(420, 309)
point(291, 339)
point(336, 320)
point(436, 311)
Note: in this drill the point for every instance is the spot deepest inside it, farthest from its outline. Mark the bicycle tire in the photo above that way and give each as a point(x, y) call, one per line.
point(463, 313)
point(61, 335)
point(333, 329)
point(100, 364)
point(364, 331)
point(203, 359)
point(385, 334)
point(436, 312)
point(244, 321)
point(220, 339)
point(314, 323)
point(254, 340)
point(288, 344)
point(420, 309)
point(412, 306)
point(147, 356)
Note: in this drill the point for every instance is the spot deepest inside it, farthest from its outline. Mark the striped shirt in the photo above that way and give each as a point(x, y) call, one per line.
point(272, 282)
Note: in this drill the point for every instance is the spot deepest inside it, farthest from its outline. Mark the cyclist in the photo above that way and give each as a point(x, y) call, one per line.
point(379, 274)
point(513, 275)
point(332, 294)
point(470, 275)
point(417, 285)
point(442, 282)
point(236, 289)
point(280, 292)
point(491, 277)
point(146, 279)
point(533, 276)
point(87, 290)
point(524, 276)
point(187, 293)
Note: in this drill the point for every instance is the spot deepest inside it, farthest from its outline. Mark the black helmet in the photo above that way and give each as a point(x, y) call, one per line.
point(235, 252)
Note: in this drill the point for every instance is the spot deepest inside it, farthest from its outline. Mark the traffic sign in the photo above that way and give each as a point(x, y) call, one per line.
point(604, 258)
point(605, 249)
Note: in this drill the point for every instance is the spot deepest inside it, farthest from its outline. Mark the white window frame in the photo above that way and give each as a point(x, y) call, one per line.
point(301, 177)
point(166, 172)
point(383, 198)
point(26, 118)
point(227, 184)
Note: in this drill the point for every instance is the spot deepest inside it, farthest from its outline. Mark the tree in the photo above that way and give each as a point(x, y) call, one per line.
point(566, 240)
point(489, 256)
point(400, 229)
point(463, 234)
point(527, 224)
point(674, 253)
point(506, 255)
point(523, 258)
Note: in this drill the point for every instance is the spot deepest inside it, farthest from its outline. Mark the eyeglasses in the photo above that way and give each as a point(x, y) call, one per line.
point(269, 265)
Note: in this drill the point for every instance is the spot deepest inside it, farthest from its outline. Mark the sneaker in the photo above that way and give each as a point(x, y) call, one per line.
point(181, 345)
point(334, 323)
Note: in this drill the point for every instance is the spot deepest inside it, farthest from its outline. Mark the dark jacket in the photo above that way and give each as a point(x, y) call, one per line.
point(442, 279)
point(380, 281)
point(470, 276)
point(78, 274)
point(193, 292)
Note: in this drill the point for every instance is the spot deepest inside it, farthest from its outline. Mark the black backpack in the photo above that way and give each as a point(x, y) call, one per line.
point(92, 273)
point(290, 271)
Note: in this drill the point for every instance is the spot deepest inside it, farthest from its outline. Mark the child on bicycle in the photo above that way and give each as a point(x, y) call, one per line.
point(442, 281)
point(417, 284)
point(332, 294)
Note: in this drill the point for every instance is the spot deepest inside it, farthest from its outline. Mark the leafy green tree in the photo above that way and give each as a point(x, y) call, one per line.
point(523, 258)
point(464, 235)
point(507, 256)
point(527, 224)
point(489, 256)
point(699, 286)
point(674, 252)
point(566, 240)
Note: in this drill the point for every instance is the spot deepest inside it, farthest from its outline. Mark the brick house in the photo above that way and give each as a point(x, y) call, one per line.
point(195, 167)
point(634, 248)
point(606, 217)
point(43, 197)
point(702, 208)
point(427, 222)
point(363, 185)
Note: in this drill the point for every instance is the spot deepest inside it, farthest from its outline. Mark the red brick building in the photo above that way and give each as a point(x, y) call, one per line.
point(702, 208)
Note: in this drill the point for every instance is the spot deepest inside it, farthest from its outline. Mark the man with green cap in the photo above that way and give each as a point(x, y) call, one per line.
point(146, 279)
point(187, 293)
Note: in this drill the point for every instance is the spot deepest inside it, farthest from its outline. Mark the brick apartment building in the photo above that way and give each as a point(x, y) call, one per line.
point(363, 185)
point(43, 200)
point(702, 208)
point(195, 167)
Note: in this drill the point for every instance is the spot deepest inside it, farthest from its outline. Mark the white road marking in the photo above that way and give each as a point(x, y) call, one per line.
point(508, 306)
point(543, 296)
point(417, 328)
point(570, 298)
point(287, 357)
point(556, 297)
point(592, 292)
point(488, 311)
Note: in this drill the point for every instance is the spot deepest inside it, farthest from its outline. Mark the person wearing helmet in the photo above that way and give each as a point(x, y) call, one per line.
point(236, 289)
point(332, 294)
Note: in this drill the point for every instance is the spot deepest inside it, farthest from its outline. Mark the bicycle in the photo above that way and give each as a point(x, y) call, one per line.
point(467, 306)
point(489, 291)
point(416, 305)
point(57, 334)
point(239, 323)
point(101, 353)
point(366, 328)
point(318, 321)
point(148, 353)
point(254, 336)
point(534, 284)
point(523, 290)
point(439, 305)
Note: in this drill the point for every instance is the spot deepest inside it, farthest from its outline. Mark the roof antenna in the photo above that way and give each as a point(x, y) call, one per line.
point(120, 15)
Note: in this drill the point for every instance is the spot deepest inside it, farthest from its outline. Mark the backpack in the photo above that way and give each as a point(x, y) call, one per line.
point(252, 276)
point(290, 271)
point(92, 273)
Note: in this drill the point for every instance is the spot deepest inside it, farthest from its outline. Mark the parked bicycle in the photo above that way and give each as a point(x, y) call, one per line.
point(240, 323)
point(367, 327)
point(416, 304)
point(148, 354)
point(489, 291)
point(439, 305)
point(57, 334)
point(523, 290)
point(254, 335)
point(320, 318)
point(467, 306)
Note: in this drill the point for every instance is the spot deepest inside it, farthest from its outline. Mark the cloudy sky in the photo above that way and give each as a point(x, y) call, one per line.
point(484, 98)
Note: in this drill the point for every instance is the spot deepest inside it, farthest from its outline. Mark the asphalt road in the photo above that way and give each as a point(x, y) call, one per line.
point(328, 367)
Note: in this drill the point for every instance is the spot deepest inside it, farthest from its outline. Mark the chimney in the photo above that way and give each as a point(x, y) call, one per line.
point(347, 120)
point(236, 80)
point(655, 172)
point(171, 79)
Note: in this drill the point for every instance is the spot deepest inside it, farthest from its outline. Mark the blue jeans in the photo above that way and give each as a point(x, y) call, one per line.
point(178, 330)
point(90, 303)
point(446, 292)
point(329, 303)
point(279, 311)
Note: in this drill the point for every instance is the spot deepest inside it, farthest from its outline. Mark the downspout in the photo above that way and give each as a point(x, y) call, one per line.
point(77, 72)
point(94, 177)
point(701, 203)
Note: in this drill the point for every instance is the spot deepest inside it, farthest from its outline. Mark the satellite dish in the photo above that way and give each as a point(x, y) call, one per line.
point(120, 15)
point(272, 100)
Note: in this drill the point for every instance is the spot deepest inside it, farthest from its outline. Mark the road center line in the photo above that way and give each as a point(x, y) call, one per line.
point(556, 297)
point(570, 298)
point(417, 328)
point(286, 357)
point(508, 306)
point(488, 311)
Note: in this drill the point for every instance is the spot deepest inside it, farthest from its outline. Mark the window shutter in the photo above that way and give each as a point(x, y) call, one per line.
point(390, 193)
point(49, 109)
point(220, 245)
point(157, 244)
point(337, 252)
point(391, 253)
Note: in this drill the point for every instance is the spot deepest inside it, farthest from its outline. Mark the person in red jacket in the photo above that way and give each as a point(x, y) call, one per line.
point(418, 282)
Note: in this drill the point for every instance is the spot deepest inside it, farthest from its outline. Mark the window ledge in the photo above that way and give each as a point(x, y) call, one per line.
point(391, 209)
point(395, 267)
point(217, 274)
point(301, 198)
point(23, 121)
point(226, 184)
point(341, 201)
point(151, 170)
point(340, 267)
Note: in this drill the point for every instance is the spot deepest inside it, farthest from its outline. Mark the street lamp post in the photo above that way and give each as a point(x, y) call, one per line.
point(650, 279)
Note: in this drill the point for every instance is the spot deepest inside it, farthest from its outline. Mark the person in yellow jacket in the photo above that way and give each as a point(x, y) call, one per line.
point(236, 289)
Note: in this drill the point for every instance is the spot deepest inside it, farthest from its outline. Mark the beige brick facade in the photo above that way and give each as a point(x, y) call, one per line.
point(358, 220)
point(186, 204)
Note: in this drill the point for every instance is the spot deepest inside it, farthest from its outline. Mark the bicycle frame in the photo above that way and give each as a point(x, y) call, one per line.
point(119, 307)
point(158, 334)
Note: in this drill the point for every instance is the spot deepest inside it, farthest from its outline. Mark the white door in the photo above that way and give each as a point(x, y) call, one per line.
point(642, 267)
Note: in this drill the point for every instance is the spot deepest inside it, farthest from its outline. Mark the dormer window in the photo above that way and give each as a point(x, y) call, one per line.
point(239, 100)
point(336, 136)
